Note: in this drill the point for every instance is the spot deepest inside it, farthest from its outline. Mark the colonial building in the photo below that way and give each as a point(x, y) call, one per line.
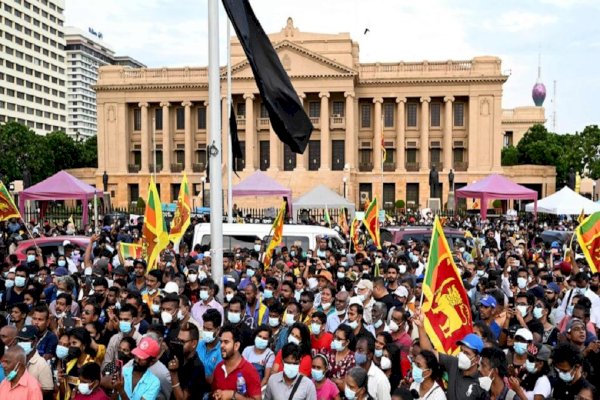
point(378, 128)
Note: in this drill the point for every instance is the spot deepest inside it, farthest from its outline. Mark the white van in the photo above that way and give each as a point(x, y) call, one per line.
point(244, 235)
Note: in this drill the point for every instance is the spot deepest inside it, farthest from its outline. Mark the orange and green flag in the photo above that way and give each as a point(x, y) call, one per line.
point(327, 217)
point(155, 237)
point(8, 209)
point(355, 232)
point(445, 302)
point(182, 218)
point(371, 222)
point(342, 221)
point(588, 236)
point(277, 235)
point(130, 250)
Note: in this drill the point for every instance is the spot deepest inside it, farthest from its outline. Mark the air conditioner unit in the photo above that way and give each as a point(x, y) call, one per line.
point(365, 144)
point(435, 144)
point(364, 196)
point(458, 144)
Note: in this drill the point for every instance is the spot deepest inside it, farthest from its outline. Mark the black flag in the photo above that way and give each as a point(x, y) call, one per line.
point(236, 148)
point(287, 115)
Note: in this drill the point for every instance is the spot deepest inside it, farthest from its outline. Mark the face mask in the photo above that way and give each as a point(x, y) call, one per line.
point(273, 322)
point(62, 263)
point(362, 297)
point(537, 312)
point(360, 358)
point(378, 353)
point(84, 389)
point(74, 352)
point(530, 366)
point(325, 306)
point(522, 310)
point(204, 295)
point(26, 346)
point(260, 343)
point(250, 272)
point(541, 265)
point(166, 317)
point(393, 326)
point(480, 272)
point(124, 357)
point(317, 375)
point(12, 374)
point(340, 275)
point(353, 324)
point(413, 257)
point(192, 278)
point(522, 282)
point(293, 339)
point(315, 328)
point(30, 258)
point(349, 393)
point(62, 351)
point(385, 363)
point(268, 294)
point(292, 253)
point(291, 370)
point(378, 324)
point(485, 382)
point(118, 305)
point(297, 295)
point(402, 268)
point(202, 275)
point(20, 281)
point(417, 374)
point(9, 283)
point(289, 319)
point(180, 315)
point(257, 247)
point(155, 308)
point(464, 362)
point(337, 345)
point(520, 348)
point(565, 376)
point(233, 317)
point(125, 326)
point(208, 336)
point(581, 291)
point(344, 263)
point(228, 297)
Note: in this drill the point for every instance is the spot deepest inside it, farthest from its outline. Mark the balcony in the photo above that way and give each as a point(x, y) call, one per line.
point(201, 167)
point(412, 166)
point(176, 167)
point(365, 167)
point(437, 164)
point(263, 123)
point(241, 121)
point(337, 122)
point(133, 168)
point(316, 122)
point(159, 167)
point(389, 167)
point(461, 166)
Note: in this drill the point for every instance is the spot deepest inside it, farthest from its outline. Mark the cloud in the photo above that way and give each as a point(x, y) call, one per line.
point(520, 21)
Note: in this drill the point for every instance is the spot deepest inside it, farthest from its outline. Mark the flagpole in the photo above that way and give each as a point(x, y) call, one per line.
point(227, 129)
point(215, 156)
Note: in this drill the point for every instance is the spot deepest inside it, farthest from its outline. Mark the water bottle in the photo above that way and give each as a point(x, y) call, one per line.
point(240, 384)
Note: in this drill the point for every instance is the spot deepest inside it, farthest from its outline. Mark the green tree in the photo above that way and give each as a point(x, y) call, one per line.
point(62, 150)
point(22, 150)
point(88, 152)
point(590, 151)
point(510, 156)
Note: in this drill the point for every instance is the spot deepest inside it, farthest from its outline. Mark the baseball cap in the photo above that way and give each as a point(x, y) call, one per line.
point(171, 287)
point(29, 332)
point(554, 287)
point(147, 348)
point(539, 351)
point(365, 284)
point(573, 322)
point(401, 291)
point(525, 334)
point(61, 271)
point(325, 275)
point(555, 245)
point(473, 342)
point(488, 301)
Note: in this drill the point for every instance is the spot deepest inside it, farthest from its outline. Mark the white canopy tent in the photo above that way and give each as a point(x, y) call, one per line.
point(564, 202)
point(321, 197)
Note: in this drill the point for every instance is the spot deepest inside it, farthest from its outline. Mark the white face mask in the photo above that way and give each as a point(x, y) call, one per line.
point(485, 382)
point(393, 326)
point(464, 362)
point(402, 268)
point(385, 363)
point(166, 317)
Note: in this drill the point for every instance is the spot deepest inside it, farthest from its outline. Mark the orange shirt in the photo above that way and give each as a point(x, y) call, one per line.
point(27, 388)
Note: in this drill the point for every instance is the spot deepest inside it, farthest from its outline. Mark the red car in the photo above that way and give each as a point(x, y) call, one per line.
point(50, 245)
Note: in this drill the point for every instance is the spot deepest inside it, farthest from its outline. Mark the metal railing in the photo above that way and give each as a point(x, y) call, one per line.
point(133, 168)
point(176, 167)
point(199, 167)
point(461, 166)
point(365, 167)
point(412, 166)
point(389, 167)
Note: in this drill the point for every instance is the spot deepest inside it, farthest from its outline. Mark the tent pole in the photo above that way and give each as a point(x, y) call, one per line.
point(95, 210)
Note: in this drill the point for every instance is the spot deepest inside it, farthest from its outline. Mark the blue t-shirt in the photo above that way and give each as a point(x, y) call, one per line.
point(47, 344)
point(210, 358)
point(147, 387)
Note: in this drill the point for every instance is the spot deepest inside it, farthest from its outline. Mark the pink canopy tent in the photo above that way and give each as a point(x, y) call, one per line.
point(260, 184)
point(497, 187)
point(60, 186)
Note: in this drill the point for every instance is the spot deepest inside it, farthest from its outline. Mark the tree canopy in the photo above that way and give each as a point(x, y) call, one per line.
point(42, 156)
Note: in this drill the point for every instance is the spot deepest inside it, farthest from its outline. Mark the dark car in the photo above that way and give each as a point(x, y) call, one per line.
point(50, 245)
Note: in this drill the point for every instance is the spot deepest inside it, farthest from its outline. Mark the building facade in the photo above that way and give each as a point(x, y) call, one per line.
point(32, 64)
point(86, 52)
point(379, 128)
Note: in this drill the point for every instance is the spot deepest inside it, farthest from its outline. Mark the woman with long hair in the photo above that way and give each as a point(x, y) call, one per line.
point(260, 355)
point(541, 312)
point(426, 371)
point(79, 354)
point(326, 389)
point(299, 335)
point(340, 358)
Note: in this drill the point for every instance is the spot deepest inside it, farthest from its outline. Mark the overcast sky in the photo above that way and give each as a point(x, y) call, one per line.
point(566, 32)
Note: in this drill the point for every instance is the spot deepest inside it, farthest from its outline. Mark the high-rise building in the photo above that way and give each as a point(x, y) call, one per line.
point(32, 64)
point(86, 52)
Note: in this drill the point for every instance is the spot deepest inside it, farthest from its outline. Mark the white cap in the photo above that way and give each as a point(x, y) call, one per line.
point(66, 242)
point(401, 291)
point(355, 300)
point(525, 334)
point(171, 287)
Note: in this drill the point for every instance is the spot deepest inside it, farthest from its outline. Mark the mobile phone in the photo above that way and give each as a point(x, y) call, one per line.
point(177, 351)
point(511, 302)
point(69, 322)
point(118, 367)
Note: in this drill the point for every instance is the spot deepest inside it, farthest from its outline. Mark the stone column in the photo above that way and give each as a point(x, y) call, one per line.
point(145, 139)
point(225, 138)
point(351, 139)
point(250, 139)
point(377, 135)
point(400, 134)
point(424, 149)
point(448, 100)
point(166, 134)
point(301, 158)
point(189, 137)
point(325, 139)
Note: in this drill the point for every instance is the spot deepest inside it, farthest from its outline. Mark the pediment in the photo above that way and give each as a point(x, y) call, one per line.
point(298, 63)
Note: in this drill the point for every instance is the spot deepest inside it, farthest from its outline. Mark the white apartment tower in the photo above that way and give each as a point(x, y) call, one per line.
point(32, 64)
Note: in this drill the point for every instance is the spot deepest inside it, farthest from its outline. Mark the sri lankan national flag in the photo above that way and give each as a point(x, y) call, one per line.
point(276, 237)
point(155, 237)
point(342, 221)
point(383, 150)
point(130, 250)
point(355, 232)
point(181, 220)
point(588, 236)
point(327, 217)
point(445, 303)
point(8, 209)
point(371, 222)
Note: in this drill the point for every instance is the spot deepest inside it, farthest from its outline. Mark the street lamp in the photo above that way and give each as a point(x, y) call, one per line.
point(203, 181)
point(345, 180)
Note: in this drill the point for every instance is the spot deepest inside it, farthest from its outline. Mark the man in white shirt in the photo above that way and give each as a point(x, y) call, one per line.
point(378, 384)
point(582, 281)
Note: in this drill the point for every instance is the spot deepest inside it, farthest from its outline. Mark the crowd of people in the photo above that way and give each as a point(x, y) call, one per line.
point(88, 324)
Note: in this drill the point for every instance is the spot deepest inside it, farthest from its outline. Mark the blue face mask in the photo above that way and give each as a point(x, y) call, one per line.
point(62, 263)
point(12, 374)
point(349, 393)
point(30, 258)
point(268, 294)
point(317, 375)
point(250, 272)
point(62, 352)
point(291, 370)
point(234, 318)
point(417, 373)
point(20, 281)
point(360, 358)
point(26, 346)
point(260, 343)
point(125, 326)
point(520, 348)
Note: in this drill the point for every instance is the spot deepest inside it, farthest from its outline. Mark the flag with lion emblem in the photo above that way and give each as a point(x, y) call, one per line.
point(8, 209)
point(181, 220)
point(445, 302)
